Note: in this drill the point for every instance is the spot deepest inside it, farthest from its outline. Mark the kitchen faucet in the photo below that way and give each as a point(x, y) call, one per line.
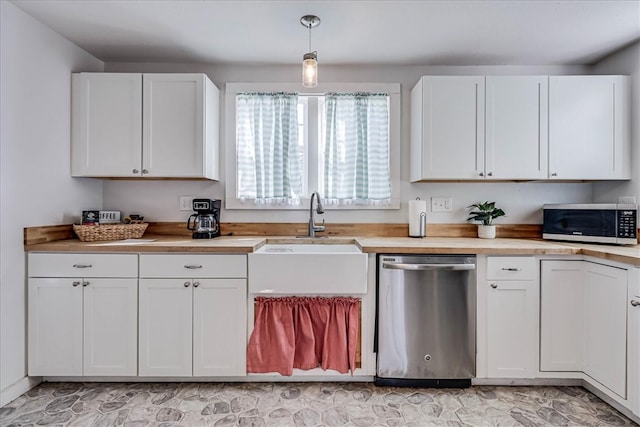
point(312, 226)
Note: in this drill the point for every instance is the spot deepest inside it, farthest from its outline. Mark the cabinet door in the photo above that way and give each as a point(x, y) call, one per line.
point(219, 327)
point(561, 315)
point(55, 326)
point(106, 137)
point(511, 329)
point(605, 320)
point(110, 326)
point(165, 327)
point(588, 127)
point(448, 128)
point(516, 127)
point(634, 341)
point(173, 141)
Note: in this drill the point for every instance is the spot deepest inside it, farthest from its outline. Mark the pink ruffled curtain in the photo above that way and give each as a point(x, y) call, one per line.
point(304, 333)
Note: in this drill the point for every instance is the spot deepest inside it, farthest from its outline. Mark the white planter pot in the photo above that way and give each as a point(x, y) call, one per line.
point(487, 231)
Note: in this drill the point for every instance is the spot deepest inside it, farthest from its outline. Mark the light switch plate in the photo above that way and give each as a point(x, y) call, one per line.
point(627, 200)
point(441, 204)
point(185, 203)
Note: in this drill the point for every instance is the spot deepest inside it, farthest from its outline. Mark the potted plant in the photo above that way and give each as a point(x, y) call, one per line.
point(485, 213)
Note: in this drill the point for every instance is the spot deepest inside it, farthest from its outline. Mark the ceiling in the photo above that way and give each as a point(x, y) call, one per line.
point(448, 32)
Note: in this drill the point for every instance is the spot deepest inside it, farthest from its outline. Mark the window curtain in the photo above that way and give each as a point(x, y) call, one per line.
point(304, 333)
point(269, 156)
point(356, 149)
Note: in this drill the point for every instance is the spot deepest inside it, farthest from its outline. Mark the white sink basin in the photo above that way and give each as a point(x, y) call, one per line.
point(308, 269)
point(299, 248)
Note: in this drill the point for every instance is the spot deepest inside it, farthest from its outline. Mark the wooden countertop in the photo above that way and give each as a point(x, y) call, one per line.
point(407, 245)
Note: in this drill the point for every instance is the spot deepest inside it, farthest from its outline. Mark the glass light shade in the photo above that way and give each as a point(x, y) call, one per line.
point(310, 70)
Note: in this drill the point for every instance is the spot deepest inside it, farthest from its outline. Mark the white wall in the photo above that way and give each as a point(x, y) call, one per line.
point(625, 61)
point(158, 200)
point(35, 186)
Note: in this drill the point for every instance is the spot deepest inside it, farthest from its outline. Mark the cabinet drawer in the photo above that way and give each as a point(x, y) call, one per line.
point(83, 265)
point(192, 266)
point(511, 268)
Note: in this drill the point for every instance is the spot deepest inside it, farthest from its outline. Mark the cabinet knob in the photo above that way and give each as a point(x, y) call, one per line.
point(635, 302)
point(554, 174)
point(144, 171)
point(186, 284)
point(494, 285)
point(481, 174)
point(196, 284)
point(135, 171)
point(85, 284)
point(490, 174)
point(74, 284)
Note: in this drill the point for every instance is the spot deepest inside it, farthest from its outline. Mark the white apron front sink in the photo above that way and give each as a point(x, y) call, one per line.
point(308, 269)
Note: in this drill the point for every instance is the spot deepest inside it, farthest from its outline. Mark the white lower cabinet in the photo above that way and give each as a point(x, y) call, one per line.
point(512, 317)
point(584, 325)
point(193, 325)
point(82, 325)
point(561, 315)
point(633, 316)
point(55, 327)
point(165, 327)
point(605, 323)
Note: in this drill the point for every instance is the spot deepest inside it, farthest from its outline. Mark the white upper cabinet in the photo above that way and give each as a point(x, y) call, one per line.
point(516, 127)
point(447, 128)
point(472, 127)
point(180, 126)
point(520, 128)
point(106, 138)
point(144, 125)
point(589, 127)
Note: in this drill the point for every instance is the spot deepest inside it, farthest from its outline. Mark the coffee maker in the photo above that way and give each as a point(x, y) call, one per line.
point(205, 223)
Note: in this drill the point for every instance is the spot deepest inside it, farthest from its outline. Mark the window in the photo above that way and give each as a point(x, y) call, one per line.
point(269, 151)
point(282, 146)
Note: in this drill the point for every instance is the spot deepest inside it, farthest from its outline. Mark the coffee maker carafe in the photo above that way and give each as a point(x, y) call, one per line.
point(205, 223)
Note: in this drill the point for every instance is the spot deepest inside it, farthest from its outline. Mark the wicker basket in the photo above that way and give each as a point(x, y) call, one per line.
point(92, 233)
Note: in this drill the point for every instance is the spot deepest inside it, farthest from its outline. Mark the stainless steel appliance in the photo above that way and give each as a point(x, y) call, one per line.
point(426, 322)
point(591, 222)
point(205, 223)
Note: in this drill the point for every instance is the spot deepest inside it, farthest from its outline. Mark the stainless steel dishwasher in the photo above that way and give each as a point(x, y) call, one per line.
point(426, 321)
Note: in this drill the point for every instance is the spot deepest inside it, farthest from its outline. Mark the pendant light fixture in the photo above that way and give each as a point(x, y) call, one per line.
point(310, 59)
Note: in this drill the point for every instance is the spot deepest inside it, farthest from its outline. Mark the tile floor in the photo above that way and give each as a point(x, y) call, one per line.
point(303, 404)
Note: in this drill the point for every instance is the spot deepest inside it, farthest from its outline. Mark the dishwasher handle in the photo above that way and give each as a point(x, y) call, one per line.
point(418, 267)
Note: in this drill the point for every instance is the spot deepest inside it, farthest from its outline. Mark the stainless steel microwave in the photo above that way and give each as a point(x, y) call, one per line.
point(591, 222)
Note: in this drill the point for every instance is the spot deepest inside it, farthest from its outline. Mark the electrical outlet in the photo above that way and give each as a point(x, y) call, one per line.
point(627, 200)
point(185, 203)
point(441, 204)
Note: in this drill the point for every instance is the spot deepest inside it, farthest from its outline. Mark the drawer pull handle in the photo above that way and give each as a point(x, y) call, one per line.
point(635, 302)
point(192, 266)
point(494, 286)
point(74, 284)
point(186, 284)
point(82, 266)
point(85, 284)
point(511, 269)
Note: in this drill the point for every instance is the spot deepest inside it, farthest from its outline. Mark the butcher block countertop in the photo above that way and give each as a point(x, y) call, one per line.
point(399, 245)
